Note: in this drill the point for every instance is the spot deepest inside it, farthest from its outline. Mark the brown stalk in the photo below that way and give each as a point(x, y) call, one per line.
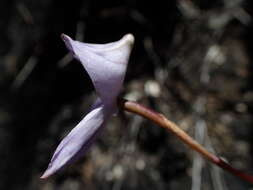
point(162, 121)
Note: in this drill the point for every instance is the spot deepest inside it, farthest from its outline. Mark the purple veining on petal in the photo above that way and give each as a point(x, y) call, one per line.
point(105, 63)
point(78, 140)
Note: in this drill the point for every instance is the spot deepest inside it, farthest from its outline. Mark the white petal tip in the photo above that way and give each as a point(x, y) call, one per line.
point(47, 173)
point(44, 176)
point(129, 38)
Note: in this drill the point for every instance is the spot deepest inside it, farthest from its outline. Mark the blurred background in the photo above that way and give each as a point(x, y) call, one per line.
point(192, 61)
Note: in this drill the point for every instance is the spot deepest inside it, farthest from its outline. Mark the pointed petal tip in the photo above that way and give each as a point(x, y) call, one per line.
point(44, 176)
point(64, 37)
point(49, 171)
point(68, 42)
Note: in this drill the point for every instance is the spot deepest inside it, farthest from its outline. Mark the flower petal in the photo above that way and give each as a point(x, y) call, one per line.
point(105, 63)
point(78, 140)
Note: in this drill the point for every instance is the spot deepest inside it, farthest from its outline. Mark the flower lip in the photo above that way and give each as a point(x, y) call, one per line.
point(126, 39)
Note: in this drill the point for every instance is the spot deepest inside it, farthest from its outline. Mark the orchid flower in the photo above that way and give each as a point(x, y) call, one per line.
point(106, 65)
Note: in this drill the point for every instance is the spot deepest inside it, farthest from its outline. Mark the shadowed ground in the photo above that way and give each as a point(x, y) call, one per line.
point(192, 61)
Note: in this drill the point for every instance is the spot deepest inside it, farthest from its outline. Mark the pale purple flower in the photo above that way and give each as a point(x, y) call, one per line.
point(106, 65)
